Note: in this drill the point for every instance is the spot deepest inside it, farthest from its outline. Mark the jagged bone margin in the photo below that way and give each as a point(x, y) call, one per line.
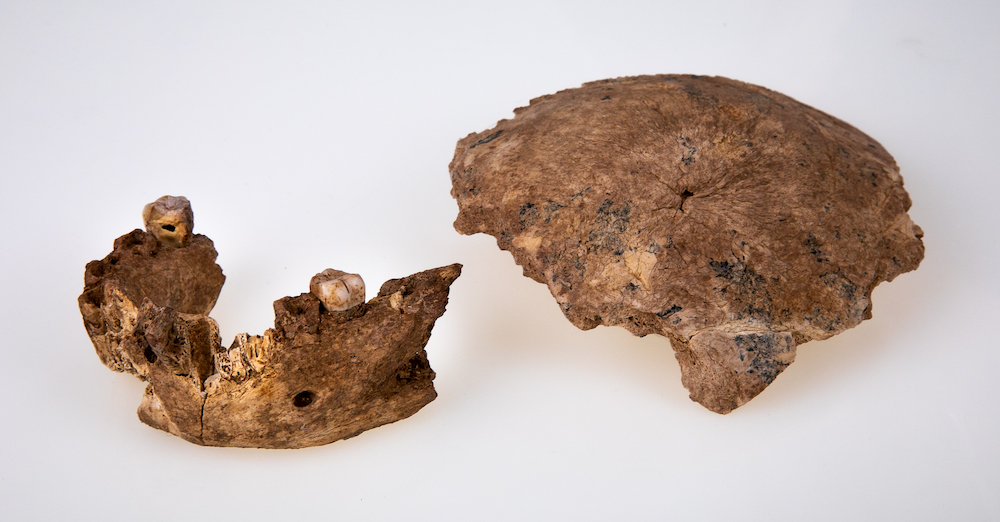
point(332, 367)
point(729, 218)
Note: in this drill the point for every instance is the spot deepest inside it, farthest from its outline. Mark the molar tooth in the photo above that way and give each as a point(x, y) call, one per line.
point(338, 290)
point(170, 220)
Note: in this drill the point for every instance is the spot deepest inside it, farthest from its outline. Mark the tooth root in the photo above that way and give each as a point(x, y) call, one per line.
point(313, 379)
point(338, 290)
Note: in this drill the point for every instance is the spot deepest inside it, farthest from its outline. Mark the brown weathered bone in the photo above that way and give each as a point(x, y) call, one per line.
point(318, 376)
point(732, 219)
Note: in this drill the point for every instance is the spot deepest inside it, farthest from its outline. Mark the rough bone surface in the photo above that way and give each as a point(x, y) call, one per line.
point(318, 376)
point(732, 219)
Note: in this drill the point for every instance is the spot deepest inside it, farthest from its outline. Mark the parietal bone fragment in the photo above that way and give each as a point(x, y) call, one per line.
point(328, 370)
point(732, 219)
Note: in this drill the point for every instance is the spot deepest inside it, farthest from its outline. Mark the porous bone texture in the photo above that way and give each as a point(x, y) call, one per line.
point(316, 377)
point(727, 217)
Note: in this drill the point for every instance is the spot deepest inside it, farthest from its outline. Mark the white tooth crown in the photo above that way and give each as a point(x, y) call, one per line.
point(338, 290)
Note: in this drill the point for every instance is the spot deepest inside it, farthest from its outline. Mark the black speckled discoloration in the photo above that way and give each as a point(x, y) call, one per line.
point(630, 196)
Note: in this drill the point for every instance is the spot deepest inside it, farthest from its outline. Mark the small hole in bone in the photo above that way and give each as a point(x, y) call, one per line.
point(168, 228)
point(684, 197)
point(303, 399)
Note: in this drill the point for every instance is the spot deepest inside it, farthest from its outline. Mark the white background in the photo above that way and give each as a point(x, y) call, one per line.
point(311, 135)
